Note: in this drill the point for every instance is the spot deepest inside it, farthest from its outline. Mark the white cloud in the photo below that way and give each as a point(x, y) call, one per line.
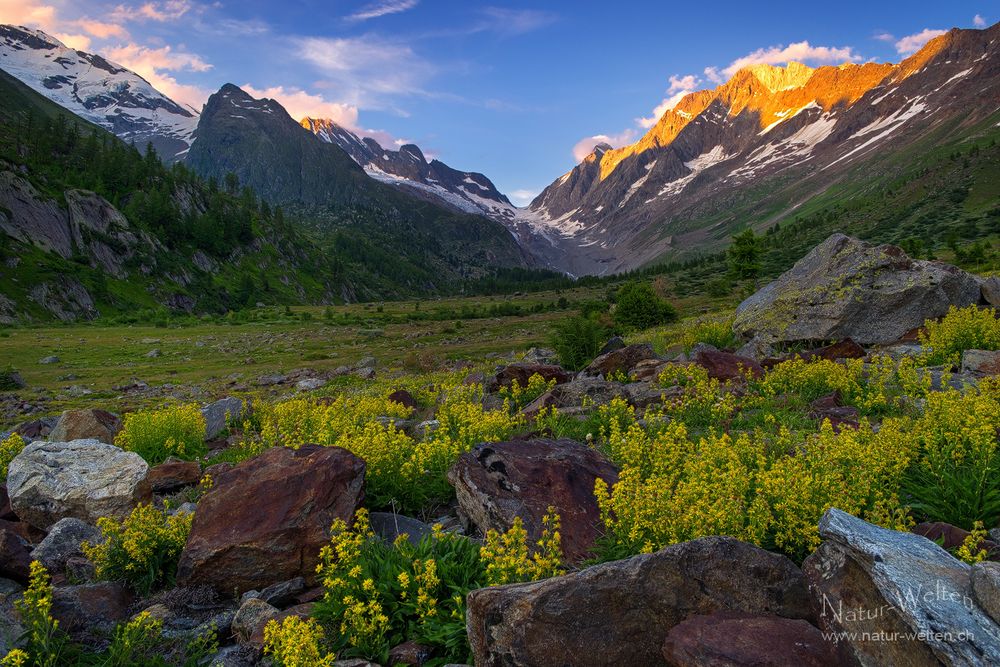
point(301, 104)
point(679, 87)
point(913, 43)
point(364, 69)
point(522, 197)
point(383, 8)
point(153, 65)
point(798, 51)
point(512, 22)
point(585, 146)
point(884, 36)
point(978, 21)
point(170, 10)
point(713, 75)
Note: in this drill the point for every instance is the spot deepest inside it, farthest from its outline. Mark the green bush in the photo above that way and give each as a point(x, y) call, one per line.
point(577, 340)
point(961, 329)
point(639, 307)
point(157, 434)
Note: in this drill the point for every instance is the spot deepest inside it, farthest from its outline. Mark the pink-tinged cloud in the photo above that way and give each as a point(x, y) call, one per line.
point(299, 104)
point(799, 52)
point(978, 21)
point(102, 29)
point(913, 43)
point(170, 10)
point(154, 65)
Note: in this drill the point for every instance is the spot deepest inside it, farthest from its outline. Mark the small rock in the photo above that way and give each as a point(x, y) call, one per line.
point(410, 654)
point(282, 594)
point(365, 373)
point(620, 361)
point(49, 360)
point(252, 615)
point(88, 612)
point(64, 542)
point(153, 354)
point(218, 415)
point(365, 362)
point(756, 349)
point(173, 474)
point(426, 428)
point(727, 366)
point(989, 289)
point(15, 557)
point(614, 344)
point(521, 373)
point(845, 349)
point(310, 384)
point(389, 526)
point(981, 362)
point(404, 398)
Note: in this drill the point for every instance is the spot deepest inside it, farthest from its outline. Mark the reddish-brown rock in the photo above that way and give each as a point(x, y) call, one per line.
point(726, 365)
point(521, 373)
point(832, 407)
point(845, 349)
point(85, 424)
point(497, 482)
point(736, 639)
point(173, 474)
point(266, 520)
point(619, 613)
point(620, 361)
point(15, 556)
point(951, 537)
point(404, 398)
point(90, 612)
point(6, 513)
point(648, 370)
point(410, 654)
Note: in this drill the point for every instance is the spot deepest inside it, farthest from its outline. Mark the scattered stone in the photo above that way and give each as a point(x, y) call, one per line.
point(310, 384)
point(832, 407)
point(727, 366)
point(86, 479)
point(14, 380)
point(541, 355)
point(76, 391)
point(252, 615)
point(644, 394)
point(622, 611)
point(592, 391)
point(890, 583)
point(404, 398)
point(620, 361)
point(648, 370)
point(153, 354)
point(756, 349)
point(271, 380)
point(265, 520)
point(366, 362)
point(15, 557)
point(64, 542)
point(410, 654)
point(497, 482)
point(614, 344)
point(173, 474)
point(218, 415)
point(86, 424)
point(365, 373)
point(846, 288)
point(522, 372)
point(89, 612)
point(425, 428)
point(735, 639)
point(283, 594)
point(37, 429)
point(845, 349)
point(389, 526)
point(49, 360)
point(989, 289)
point(981, 362)
point(986, 586)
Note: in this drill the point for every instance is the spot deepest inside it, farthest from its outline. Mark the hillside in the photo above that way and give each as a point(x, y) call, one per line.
point(768, 145)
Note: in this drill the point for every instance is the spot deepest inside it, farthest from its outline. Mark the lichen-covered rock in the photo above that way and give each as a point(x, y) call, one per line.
point(253, 614)
point(498, 482)
point(846, 288)
point(86, 479)
point(619, 613)
point(872, 583)
point(265, 520)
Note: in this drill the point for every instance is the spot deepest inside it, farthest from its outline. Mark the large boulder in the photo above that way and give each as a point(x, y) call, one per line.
point(846, 288)
point(265, 520)
point(592, 391)
point(86, 479)
point(620, 361)
point(870, 583)
point(619, 613)
point(736, 639)
point(498, 482)
point(86, 424)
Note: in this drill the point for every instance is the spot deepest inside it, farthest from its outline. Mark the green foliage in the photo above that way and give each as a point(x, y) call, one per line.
point(638, 307)
point(45, 644)
point(577, 340)
point(970, 328)
point(9, 379)
point(156, 435)
point(142, 550)
point(9, 448)
point(744, 255)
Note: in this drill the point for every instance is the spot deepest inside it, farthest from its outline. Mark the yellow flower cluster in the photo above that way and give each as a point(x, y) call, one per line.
point(143, 549)
point(296, 642)
point(969, 551)
point(157, 434)
point(519, 396)
point(509, 559)
point(9, 448)
point(44, 641)
point(970, 328)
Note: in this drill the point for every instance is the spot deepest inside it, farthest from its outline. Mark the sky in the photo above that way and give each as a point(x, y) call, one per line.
point(519, 91)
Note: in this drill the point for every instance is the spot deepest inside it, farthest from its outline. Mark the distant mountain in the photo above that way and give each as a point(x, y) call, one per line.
point(409, 170)
point(98, 90)
point(760, 147)
point(423, 244)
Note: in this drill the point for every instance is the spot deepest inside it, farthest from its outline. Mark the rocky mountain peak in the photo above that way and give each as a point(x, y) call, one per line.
point(792, 75)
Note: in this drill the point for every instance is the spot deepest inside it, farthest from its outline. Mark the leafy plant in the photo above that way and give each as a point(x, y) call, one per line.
point(156, 435)
point(970, 328)
point(45, 644)
point(638, 307)
point(9, 448)
point(142, 550)
point(577, 340)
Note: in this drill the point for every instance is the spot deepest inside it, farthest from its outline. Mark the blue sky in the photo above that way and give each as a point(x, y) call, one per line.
point(516, 90)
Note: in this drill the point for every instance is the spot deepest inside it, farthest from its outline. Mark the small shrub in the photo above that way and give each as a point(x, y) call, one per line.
point(9, 448)
point(10, 379)
point(296, 643)
point(142, 550)
point(156, 435)
point(45, 644)
point(519, 396)
point(638, 307)
point(970, 328)
point(577, 340)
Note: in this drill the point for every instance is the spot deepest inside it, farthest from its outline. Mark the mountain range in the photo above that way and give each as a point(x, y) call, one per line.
point(765, 148)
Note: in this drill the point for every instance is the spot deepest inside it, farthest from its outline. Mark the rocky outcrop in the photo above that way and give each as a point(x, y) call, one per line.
point(737, 639)
point(85, 479)
point(498, 482)
point(620, 613)
point(265, 520)
point(88, 424)
point(846, 288)
point(874, 583)
point(620, 361)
